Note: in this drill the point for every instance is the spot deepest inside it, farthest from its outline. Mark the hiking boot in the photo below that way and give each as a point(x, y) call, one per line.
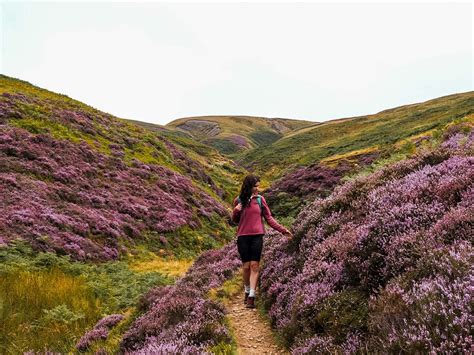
point(246, 296)
point(250, 302)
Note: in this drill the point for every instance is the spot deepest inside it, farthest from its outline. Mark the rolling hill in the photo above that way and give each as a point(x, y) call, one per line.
point(233, 134)
point(81, 182)
point(311, 161)
point(350, 137)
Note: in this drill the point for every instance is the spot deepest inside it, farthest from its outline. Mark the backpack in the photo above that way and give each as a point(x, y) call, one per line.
point(259, 201)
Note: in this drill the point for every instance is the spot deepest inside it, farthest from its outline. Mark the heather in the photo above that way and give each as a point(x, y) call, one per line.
point(100, 331)
point(291, 192)
point(80, 182)
point(68, 298)
point(181, 318)
point(68, 198)
point(37, 110)
point(384, 263)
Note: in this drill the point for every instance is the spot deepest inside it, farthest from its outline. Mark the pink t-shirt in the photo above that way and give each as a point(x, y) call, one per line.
point(250, 218)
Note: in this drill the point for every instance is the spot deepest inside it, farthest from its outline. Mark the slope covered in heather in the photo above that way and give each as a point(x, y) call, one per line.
point(384, 263)
point(81, 182)
point(234, 134)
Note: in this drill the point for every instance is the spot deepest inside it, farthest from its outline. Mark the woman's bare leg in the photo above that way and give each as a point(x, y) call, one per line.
point(254, 269)
point(246, 272)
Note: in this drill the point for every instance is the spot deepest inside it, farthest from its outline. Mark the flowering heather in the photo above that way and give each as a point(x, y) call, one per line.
point(100, 331)
point(306, 183)
point(192, 168)
point(91, 336)
point(109, 321)
point(431, 311)
point(179, 346)
point(67, 197)
point(180, 318)
point(382, 264)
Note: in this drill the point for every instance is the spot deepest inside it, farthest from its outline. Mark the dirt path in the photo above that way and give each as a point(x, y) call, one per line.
point(252, 333)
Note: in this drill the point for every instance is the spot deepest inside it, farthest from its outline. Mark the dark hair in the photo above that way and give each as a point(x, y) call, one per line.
point(246, 189)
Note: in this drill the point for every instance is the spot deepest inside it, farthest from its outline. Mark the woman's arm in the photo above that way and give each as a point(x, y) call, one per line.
point(270, 220)
point(236, 211)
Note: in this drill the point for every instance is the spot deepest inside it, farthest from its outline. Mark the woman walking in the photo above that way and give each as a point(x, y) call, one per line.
point(249, 207)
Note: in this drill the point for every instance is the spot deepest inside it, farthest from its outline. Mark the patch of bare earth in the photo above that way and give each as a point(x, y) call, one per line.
point(252, 333)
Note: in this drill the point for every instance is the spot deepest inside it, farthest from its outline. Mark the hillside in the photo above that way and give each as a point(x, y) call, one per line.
point(353, 137)
point(310, 162)
point(233, 134)
point(370, 269)
point(81, 182)
point(96, 211)
point(384, 263)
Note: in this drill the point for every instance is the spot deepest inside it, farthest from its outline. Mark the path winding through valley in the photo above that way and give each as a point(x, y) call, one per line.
point(252, 334)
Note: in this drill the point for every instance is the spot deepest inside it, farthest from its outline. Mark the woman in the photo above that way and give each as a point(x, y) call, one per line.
point(249, 207)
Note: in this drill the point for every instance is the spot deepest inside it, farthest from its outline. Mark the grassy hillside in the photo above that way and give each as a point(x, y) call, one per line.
point(331, 141)
point(82, 182)
point(233, 134)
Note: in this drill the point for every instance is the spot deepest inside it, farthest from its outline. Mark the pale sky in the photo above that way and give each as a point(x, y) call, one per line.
point(156, 62)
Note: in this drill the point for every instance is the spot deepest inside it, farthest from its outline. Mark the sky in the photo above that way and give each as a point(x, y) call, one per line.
point(316, 61)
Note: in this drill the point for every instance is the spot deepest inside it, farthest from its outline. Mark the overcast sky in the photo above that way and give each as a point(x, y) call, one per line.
point(156, 62)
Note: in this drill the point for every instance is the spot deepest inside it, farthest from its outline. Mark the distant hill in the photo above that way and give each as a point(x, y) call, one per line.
point(353, 137)
point(233, 134)
point(82, 182)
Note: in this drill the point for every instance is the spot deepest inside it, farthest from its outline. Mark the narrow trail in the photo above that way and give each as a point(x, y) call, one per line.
point(252, 334)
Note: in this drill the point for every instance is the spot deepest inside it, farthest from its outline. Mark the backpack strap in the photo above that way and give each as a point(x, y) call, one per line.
point(259, 201)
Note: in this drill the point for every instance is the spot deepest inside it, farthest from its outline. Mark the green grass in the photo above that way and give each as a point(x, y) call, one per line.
point(406, 148)
point(49, 301)
point(340, 137)
point(228, 290)
point(265, 137)
point(45, 308)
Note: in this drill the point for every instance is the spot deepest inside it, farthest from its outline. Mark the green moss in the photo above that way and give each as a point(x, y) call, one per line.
point(224, 348)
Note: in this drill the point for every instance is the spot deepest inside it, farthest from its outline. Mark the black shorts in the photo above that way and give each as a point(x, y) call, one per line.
point(250, 247)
